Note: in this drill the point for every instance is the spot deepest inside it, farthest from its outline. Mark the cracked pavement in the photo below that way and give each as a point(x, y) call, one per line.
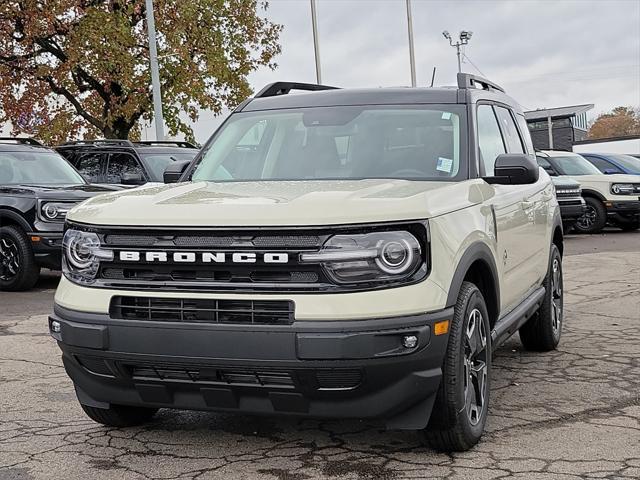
point(573, 413)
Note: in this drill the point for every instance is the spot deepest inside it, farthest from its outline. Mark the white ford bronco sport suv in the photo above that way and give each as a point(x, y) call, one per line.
point(336, 253)
point(613, 199)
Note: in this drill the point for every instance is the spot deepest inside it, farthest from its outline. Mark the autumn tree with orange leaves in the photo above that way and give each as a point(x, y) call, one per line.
point(81, 67)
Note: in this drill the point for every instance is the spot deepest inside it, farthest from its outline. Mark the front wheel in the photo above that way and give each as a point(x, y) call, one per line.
point(18, 268)
point(460, 410)
point(542, 331)
point(594, 218)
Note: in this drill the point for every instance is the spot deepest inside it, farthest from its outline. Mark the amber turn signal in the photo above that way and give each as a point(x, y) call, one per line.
point(440, 328)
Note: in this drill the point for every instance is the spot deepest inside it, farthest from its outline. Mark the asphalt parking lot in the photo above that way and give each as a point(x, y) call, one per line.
point(573, 413)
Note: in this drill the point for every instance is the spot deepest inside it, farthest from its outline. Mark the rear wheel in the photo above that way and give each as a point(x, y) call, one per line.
point(18, 268)
point(460, 410)
point(594, 218)
point(119, 415)
point(542, 331)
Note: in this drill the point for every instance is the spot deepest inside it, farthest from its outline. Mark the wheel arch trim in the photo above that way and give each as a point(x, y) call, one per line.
point(477, 251)
point(14, 217)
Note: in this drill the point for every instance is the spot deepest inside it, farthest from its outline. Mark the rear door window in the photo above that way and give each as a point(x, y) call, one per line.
point(91, 166)
point(121, 164)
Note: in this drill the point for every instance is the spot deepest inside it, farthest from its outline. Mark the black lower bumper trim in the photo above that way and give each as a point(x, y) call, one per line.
point(353, 369)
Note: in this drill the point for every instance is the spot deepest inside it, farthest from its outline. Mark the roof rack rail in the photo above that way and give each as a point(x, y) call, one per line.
point(100, 141)
point(177, 143)
point(21, 141)
point(283, 88)
point(469, 81)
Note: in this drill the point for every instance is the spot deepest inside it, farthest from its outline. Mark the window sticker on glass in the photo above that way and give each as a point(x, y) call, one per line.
point(444, 164)
point(446, 115)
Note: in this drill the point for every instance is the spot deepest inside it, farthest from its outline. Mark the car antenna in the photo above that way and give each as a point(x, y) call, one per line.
point(433, 76)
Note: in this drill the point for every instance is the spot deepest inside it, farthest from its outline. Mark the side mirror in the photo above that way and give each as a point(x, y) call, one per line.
point(131, 179)
point(174, 171)
point(610, 171)
point(515, 169)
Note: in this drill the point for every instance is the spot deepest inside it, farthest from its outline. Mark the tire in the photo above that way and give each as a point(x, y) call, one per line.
point(543, 331)
point(594, 218)
point(18, 268)
point(456, 422)
point(120, 415)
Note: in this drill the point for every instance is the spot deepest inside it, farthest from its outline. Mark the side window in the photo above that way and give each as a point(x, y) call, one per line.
point(602, 164)
point(489, 138)
point(120, 164)
point(510, 131)
point(90, 166)
point(525, 133)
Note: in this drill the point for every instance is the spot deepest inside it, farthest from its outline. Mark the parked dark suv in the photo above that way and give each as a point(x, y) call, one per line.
point(37, 189)
point(124, 162)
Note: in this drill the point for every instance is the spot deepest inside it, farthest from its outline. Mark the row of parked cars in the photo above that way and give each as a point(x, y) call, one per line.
point(38, 187)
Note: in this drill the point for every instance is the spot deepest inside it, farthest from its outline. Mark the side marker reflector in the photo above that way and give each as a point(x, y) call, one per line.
point(440, 328)
point(35, 239)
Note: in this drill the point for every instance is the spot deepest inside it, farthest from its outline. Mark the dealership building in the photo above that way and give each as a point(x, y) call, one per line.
point(558, 128)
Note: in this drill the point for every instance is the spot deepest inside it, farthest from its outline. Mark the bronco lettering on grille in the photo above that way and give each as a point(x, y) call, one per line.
point(204, 257)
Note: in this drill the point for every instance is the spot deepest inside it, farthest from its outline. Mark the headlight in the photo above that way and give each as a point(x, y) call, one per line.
point(82, 254)
point(622, 188)
point(54, 211)
point(369, 257)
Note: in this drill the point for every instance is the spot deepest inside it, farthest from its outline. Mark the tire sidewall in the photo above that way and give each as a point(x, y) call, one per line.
point(475, 300)
point(555, 254)
point(601, 217)
point(27, 260)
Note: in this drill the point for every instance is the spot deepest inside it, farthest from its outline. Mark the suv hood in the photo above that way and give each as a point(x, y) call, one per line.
point(57, 192)
point(617, 178)
point(275, 203)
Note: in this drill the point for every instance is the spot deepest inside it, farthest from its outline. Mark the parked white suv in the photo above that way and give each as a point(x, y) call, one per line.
point(338, 253)
point(609, 198)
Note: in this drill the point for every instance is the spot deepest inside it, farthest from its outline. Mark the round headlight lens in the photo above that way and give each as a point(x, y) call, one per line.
point(395, 256)
point(50, 211)
point(80, 251)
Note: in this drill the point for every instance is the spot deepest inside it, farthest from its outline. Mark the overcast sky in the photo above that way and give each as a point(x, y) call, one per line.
point(546, 53)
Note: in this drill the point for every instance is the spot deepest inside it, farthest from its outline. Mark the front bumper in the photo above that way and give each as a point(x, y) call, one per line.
point(625, 207)
point(47, 248)
point(354, 369)
point(571, 208)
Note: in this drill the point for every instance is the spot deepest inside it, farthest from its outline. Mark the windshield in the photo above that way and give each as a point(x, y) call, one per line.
point(350, 142)
point(573, 165)
point(157, 162)
point(628, 162)
point(37, 168)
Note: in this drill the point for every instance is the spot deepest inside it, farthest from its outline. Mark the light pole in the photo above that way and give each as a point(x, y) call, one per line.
point(412, 56)
point(316, 47)
point(463, 39)
point(155, 74)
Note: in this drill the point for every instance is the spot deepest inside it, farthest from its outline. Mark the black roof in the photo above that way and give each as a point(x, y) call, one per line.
point(470, 89)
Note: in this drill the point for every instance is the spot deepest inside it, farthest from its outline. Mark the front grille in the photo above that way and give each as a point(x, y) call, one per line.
point(196, 374)
point(568, 193)
point(195, 260)
point(242, 312)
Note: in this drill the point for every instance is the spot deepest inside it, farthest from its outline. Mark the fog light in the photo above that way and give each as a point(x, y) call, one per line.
point(55, 326)
point(409, 341)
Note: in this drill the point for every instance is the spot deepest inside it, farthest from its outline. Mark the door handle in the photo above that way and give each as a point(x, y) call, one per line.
point(526, 205)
